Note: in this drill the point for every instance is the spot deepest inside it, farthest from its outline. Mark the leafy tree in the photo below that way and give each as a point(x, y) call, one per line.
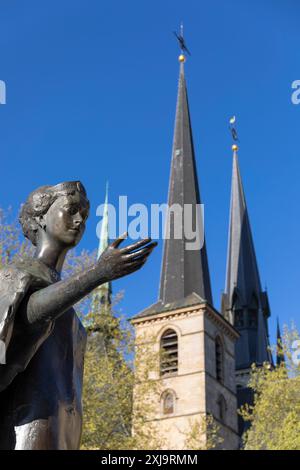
point(203, 434)
point(11, 245)
point(108, 381)
point(113, 419)
point(275, 414)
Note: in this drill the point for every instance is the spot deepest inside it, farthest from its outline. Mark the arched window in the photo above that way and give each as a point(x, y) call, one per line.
point(168, 402)
point(219, 360)
point(222, 407)
point(169, 353)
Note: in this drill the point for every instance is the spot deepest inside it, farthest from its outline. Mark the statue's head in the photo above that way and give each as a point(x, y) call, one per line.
point(56, 212)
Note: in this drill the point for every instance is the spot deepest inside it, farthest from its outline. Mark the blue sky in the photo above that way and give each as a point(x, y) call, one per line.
point(91, 93)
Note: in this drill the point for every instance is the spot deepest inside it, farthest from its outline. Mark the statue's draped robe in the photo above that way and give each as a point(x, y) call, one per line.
point(41, 381)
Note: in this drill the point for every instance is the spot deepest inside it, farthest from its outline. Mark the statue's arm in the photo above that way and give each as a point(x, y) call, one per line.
point(49, 303)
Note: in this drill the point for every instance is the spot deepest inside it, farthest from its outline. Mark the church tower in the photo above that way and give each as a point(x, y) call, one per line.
point(244, 304)
point(195, 345)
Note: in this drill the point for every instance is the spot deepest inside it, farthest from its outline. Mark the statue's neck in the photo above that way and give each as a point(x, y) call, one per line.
point(51, 253)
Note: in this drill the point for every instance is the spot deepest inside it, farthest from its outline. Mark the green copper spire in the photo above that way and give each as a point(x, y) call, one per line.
point(102, 295)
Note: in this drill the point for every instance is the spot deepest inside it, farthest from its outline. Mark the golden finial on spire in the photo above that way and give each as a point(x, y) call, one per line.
point(233, 133)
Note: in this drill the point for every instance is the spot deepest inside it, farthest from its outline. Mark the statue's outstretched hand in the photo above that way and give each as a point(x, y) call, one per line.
point(49, 303)
point(118, 262)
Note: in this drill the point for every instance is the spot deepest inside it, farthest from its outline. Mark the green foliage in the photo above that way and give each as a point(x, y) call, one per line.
point(275, 414)
point(11, 245)
point(203, 434)
point(108, 383)
point(110, 413)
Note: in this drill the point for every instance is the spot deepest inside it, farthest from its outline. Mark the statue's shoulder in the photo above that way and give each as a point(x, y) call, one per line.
point(13, 276)
point(13, 273)
point(27, 270)
point(15, 281)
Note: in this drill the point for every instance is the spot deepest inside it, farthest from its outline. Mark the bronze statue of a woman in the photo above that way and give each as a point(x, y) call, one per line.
point(43, 339)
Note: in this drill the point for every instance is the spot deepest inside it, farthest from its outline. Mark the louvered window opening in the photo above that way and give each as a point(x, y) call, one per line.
point(169, 353)
point(252, 318)
point(239, 318)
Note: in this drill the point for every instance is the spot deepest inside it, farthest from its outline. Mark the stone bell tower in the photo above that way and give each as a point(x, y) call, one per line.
point(195, 365)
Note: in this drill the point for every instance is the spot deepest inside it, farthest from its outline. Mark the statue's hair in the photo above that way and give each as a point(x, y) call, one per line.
point(39, 202)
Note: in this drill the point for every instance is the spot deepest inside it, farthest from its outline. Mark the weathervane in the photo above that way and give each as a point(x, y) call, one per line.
point(232, 127)
point(182, 44)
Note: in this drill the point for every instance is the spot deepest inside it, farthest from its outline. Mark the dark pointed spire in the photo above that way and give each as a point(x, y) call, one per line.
point(279, 346)
point(183, 271)
point(244, 303)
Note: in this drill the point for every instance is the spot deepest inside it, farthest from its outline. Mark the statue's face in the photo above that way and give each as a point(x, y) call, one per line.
point(65, 220)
